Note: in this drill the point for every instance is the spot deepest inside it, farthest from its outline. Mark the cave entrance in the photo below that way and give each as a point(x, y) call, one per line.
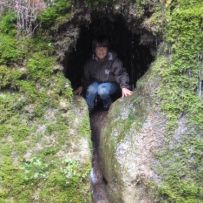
point(136, 49)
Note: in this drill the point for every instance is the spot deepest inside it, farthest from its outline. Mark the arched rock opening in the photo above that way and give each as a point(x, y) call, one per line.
point(135, 48)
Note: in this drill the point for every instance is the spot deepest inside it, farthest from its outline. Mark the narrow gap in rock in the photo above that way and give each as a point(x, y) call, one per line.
point(136, 49)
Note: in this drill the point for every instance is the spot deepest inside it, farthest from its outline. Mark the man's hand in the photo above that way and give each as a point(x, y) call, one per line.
point(79, 90)
point(126, 92)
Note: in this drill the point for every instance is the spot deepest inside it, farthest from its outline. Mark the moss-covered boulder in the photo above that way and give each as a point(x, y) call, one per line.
point(45, 148)
point(45, 152)
point(141, 160)
point(133, 132)
point(151, 144)
point(44, 136)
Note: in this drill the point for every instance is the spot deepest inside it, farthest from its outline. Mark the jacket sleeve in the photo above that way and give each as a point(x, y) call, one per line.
point(120, 74)
point(86, 80)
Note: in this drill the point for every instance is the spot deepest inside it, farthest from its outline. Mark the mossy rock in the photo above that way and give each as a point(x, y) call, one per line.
point(142, 160)
point(46, 159)
point(44, 132)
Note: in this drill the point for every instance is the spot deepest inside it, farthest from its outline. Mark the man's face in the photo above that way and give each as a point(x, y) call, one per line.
point(101, 52)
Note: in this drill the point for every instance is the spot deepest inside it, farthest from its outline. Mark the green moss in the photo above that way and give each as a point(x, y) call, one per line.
point(11, 177)
point(182, 173)
point(34, 127)
point(118, 129)
point(7, 23)
point(30, 89)
point(85, 128)
point(40, 67)
point(58, 9)
point(9, 50)
point(60, 86)
point(61, 181)
point(9, 77)
point(41, 43)
point(184, 72)
point(58, 180)
point(60, 184)
point(9, 106)
point(6, 149)
point(180, 67)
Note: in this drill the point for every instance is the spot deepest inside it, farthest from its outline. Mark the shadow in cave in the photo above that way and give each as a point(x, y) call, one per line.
point(135, 49)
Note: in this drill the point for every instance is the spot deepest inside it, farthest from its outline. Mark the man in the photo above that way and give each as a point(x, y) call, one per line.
point(103, 75)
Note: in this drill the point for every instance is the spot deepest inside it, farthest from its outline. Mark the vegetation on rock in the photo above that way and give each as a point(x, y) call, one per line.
point(39, 131)
point(181, 72)
point(179, 67)
point(56, 10)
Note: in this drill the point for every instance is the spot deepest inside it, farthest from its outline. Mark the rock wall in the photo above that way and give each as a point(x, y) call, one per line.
point(151, 145)
point(133, 132)
point(140, 159)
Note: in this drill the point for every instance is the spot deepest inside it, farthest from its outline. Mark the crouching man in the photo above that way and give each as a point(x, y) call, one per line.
point(104, 74)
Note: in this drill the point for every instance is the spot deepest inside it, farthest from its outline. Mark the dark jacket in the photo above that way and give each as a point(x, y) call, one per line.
point(109, 70)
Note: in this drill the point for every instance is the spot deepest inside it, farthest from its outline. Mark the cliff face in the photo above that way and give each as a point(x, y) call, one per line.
point(151, 143)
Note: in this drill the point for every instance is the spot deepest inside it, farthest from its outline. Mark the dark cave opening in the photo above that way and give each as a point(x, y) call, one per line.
point(136, 49)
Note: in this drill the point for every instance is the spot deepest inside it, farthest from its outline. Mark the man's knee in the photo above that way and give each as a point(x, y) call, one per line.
point(92, 89)
point(103, 91)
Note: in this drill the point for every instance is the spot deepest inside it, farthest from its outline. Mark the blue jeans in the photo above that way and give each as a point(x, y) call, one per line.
point(104, 90)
